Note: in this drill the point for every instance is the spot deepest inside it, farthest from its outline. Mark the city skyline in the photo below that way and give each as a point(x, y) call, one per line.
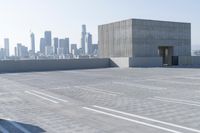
point(64, 17)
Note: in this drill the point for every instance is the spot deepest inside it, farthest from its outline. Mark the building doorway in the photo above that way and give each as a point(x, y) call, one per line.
point(166, 53)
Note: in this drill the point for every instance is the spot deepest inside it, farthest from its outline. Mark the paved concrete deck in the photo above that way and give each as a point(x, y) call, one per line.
point(137, 100)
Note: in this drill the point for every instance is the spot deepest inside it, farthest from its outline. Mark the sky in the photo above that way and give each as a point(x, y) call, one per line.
point(65, 17)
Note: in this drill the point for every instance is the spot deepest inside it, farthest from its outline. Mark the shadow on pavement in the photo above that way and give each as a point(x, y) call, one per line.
point(8, 126)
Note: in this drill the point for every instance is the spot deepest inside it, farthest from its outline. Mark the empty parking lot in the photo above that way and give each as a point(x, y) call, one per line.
point(135, 100)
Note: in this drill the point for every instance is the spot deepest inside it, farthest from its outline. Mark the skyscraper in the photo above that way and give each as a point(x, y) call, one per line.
point(83, 35)
point(55, 42)
point(21, 51)
point(88, 44)
point(33, 43)
point(47, 37)
point(6, 47)
point(74, 49)
point(64, 44)
point(42, 45)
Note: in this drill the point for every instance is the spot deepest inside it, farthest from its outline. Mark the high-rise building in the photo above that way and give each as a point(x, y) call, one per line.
point(21, 51)
point(88, 44)
point(49, 51)
point(2, 53)
point(64, 44)
point(6, 47)
point(33, 43)
point(74, 49)
point(55, 42)
point(83, 36)
point(94, 49)
point(42, 45)
point(47, 37)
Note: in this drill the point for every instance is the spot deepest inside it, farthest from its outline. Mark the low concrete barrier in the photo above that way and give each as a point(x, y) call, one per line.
point(126, 62)
point(189, 60)
point(52, 65)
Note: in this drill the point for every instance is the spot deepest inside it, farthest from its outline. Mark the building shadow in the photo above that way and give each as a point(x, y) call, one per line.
point(9, 126)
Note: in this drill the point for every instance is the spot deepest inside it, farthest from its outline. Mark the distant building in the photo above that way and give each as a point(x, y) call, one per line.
point(60, 51)
point(74, 49)
point(47, 37)
point(88, 44)
point(94, 49)
point(42, 45)
point(21, 51)
point(55, 42)
point(32, 43)
point(49, 50)
point(83, 38)
point(2, 54)
point(6, 47)
point(64, 44)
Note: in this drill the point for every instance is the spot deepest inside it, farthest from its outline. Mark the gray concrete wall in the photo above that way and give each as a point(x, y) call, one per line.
point(146, 62)
point(126, 62)
point(51, 65)
point(148, 35)
point(189, 60)
point(115, 39)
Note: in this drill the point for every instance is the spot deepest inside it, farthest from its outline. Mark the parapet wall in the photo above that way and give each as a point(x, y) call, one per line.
point(189, 60)
point(52, 65)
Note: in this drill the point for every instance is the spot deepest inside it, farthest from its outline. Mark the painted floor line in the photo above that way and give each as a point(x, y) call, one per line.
point(49, 96)
point(3, 130)
point(141, 86)
point(79, 87)
point(149, 119)
point(178, 102)
point(41, 97)
point(132, 120)
point(19, 126)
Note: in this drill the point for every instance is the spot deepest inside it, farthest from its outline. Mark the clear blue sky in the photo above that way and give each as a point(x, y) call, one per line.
point(65, 17)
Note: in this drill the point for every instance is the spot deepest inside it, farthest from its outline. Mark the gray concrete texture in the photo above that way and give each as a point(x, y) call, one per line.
point(133, 100)
point(141, 38)
point(52, 65)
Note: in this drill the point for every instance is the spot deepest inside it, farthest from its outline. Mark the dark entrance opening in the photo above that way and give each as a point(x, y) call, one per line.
point(166, 53)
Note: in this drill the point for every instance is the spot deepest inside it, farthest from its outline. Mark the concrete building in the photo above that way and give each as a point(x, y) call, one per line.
point(157, 42)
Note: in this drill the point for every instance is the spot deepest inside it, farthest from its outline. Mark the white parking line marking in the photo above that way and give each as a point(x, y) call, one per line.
point(41, 97)
point(18, 126)
point(50, 96)
point(186, 102)
point(3, 130)
point(94, 90)
point(132, 120)
point(149, 119)
point(141, 86)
